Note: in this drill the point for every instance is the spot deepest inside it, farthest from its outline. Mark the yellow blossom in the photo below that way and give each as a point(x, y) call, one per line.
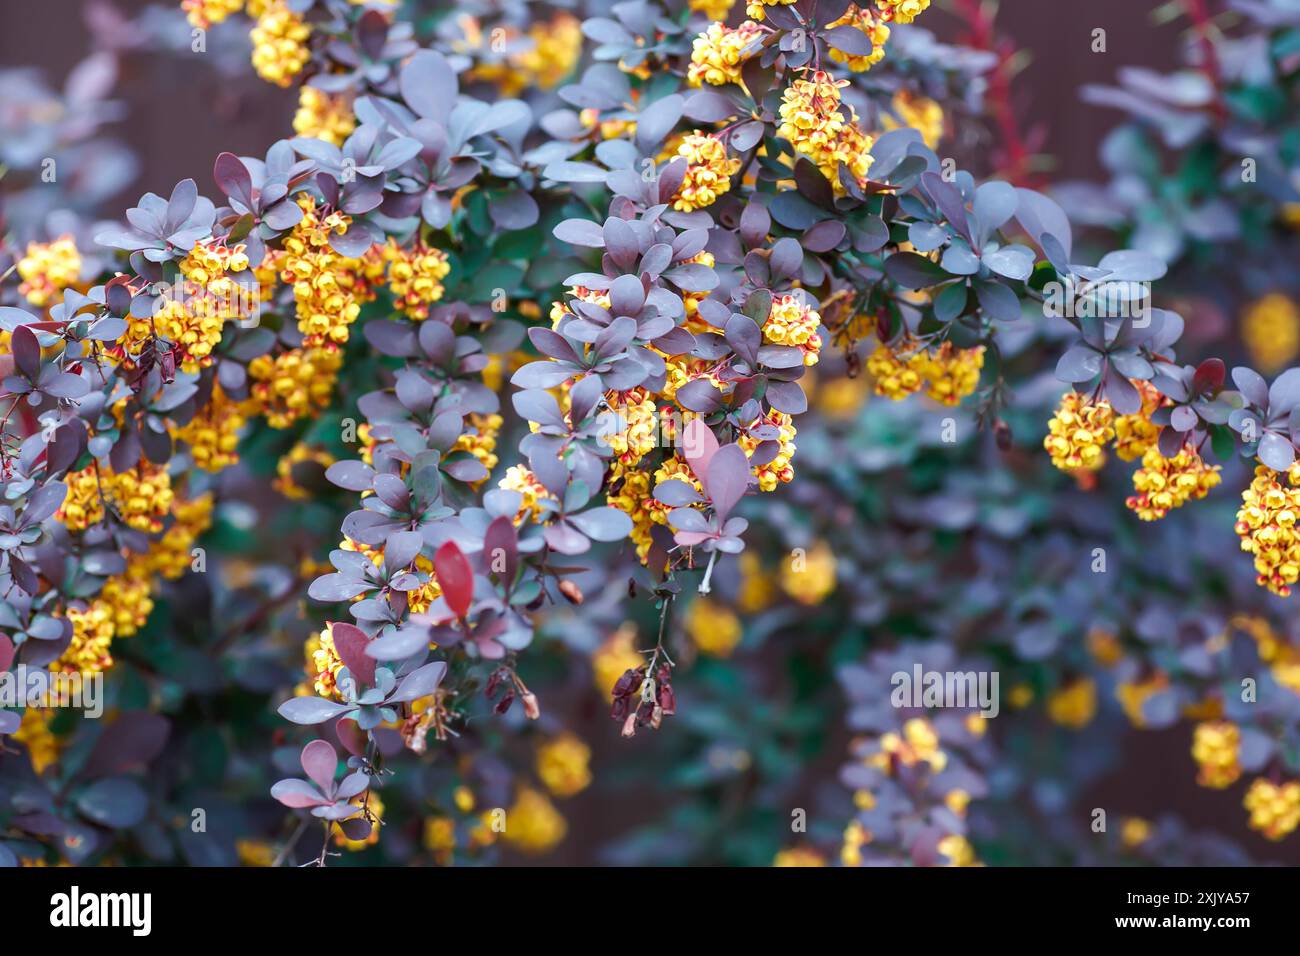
point(809, 577)
point(708, 172)
point(1216, 746)
point(713, 628)
point(47, 269)
point(562, 765)
point(1079, 432)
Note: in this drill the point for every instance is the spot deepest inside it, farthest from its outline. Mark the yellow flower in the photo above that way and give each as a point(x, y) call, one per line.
point(897, 374)
point(918, 112)
point(903, 11)
point(918, 743)
point(557, 45)
point(1166, 483)
point(712, 9)
point(324, 116)
point(1271, 330)
point(799, 856)
point(754, 8)
point(83, 505)
point(293, 384)
point(708, 173)
point(1135, 831)
point(171, 555)
point(808, 578)
point(533, 825)
point(521, 479)
point(415, 277)
point(958, 850)
point(813, 123)
point(951, 373)
point(1216, 746)
point(791, 322)
point(35, 734)
point(757, 590)
point(718, 54)
point(633, 412)
point(92, 634)
point(213, 433)
point(1282, 658)
point(327, 287)
point(255, 852)
point(870, 26)
point(779, 470)
point(1133, 695)
point(1274, 808)
point(1136, 433)
point(128, 596)
point(142, 495)
point(1079, 432)
point(1266, 524)
point(1073, 705)
point(279, 44)
point(47, 269)
point(204, 13)
point(562, 765)
point(713, 628)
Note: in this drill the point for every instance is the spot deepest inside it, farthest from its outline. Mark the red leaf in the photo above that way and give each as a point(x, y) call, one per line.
point(698, 446)
point(455, 577)
point(6, 652)
point(350, 642)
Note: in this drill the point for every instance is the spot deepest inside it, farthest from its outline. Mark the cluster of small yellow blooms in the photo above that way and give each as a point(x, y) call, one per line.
point(324, 116)
point(204, 13)
point(213, 433)
point(171, 556)
point(616, 655)
point(708, 173)
point(415, 276)
point(607, 129)
point(779, 470)
point(712, 627)
point(481, 440)
point(1079, 432)
point(47, 269)
point(1274, 808)
point(559, 309)
point(34, 733)
point(1136, 433)
point(870, 26)
point(1133, 695)
point(903, 11)
point(719, 52)
point(557, 45)
point(1282, 657)
point(562, 764)
point(629, 492)
point(917, 112)
point(374, 812)
point(1073, 705)
point(1166, 483)
point(142, 495)
point(712, 9)
point(948, 374)
point(293, 383)
point(633, 413)
point(1266, 523)
point(754, 8)
point(918, 743)
point(322, 666)
point(815, 125)
point(128, 596)
point(279, 43)
point(194, 316)
point(521, 479)
point(327, 287)
point(791, 322)
point(543, 58)
point(1271, 330)
point(300, 452)
point(92, 634)
point(83, 505)
point(533, 825)
point(809, 577)
point(1216, 747)
point(951, 373)
point(798, 856)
